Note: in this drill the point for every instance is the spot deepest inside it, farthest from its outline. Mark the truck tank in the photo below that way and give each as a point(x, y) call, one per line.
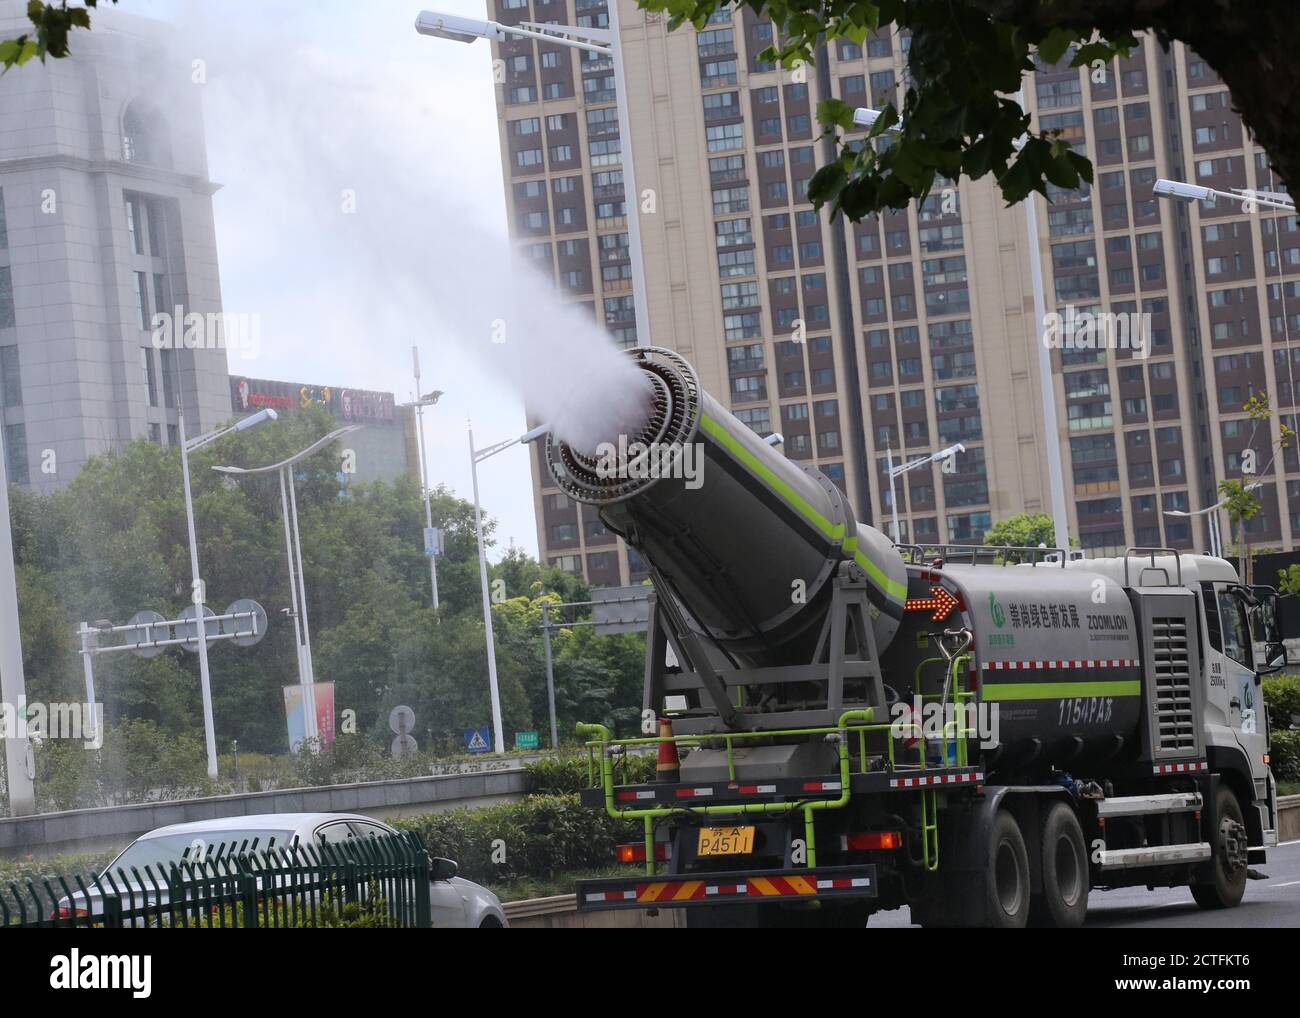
point(746, 540)
point(1058, 651)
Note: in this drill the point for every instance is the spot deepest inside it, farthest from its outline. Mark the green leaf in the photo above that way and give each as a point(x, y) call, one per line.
point(1053, 46)
point(835, 112)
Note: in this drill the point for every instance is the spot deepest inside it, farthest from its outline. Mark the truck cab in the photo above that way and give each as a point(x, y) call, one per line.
point(1229, 617)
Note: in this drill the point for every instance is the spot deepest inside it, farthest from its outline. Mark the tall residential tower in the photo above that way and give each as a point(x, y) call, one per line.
point(915, 330)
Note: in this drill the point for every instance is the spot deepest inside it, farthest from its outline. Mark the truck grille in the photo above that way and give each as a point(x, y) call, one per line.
point(1173, 685)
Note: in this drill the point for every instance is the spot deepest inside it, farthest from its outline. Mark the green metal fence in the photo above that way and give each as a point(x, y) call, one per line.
point(376, 881)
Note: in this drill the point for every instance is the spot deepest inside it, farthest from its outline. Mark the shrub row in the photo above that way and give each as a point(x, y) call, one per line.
point(539, 837)
point(568, 773)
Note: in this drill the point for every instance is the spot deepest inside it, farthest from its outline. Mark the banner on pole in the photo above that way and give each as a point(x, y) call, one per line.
point(295, 711)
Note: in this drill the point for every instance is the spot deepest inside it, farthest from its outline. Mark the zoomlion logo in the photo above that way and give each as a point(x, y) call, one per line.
point(995, 609)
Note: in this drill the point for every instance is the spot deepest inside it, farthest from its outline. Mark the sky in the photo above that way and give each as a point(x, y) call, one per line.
point(357, 161)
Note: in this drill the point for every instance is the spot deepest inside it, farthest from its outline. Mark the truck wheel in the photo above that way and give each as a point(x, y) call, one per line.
point(1064, 898)
point(1006, 882)
point(1229, 843)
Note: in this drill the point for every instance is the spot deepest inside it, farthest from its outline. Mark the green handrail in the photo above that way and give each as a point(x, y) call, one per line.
point(860, 720)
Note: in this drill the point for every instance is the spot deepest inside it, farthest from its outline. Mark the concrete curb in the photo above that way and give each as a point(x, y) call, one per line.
point(1288, 817)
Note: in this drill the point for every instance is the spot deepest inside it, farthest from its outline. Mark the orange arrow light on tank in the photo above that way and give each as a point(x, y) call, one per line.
point(940, 602)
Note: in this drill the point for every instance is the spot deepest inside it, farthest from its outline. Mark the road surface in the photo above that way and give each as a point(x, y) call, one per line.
point(1272, 903)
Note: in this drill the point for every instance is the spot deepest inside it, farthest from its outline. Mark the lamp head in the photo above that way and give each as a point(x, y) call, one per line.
point(1181, 191)
point(457, 28)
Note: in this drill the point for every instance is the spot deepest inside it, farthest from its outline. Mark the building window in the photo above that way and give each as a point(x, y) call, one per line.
point(150, 377)
point(144, 136)
point(6, 298)
point(11, 382)
point(15, 442)
point(133, 225)
point(168, 358)
point(142, 298)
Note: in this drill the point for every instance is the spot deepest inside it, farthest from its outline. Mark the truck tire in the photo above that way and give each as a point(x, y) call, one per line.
point(1063, 901)
point(1229, 844)
point(1004, 891)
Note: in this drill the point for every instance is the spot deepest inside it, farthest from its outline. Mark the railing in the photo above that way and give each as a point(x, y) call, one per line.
point(975, 554)
point(853, 722)
point(376, 881)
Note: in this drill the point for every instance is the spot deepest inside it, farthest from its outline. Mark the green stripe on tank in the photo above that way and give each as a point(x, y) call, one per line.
point(834, 531)
point(893, 589)
point(1059, 690)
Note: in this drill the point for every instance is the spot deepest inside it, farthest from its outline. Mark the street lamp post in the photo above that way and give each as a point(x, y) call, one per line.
point(1055, 475)
point(419, 403)
point(1211, 514)
point(293, 552)
point(197, 593)
point(603, 41)
point(902, 468)
point(1179, 190)
point(477, 456)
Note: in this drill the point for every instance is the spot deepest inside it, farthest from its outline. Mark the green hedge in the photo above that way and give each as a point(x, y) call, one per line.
point(567, 774)
point(538, 837)
point(1284, 755)
point(1282, 694)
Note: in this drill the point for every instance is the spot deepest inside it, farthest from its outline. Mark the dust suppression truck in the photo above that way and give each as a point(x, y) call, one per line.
point(846, 726)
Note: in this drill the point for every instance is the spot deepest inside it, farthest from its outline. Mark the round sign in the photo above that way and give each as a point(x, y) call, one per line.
point(404, 745)
point(188, 630)
point(248, 630)
point(136, 637)
point(401, 719)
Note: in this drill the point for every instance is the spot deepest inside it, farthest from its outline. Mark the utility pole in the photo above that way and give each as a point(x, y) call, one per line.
point(431, 539)
point(13, 686)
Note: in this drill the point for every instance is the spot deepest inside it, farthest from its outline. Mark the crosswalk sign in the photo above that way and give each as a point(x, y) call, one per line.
point(478, 740)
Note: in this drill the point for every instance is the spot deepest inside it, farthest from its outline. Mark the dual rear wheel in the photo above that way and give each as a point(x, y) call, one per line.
point(1005, 899)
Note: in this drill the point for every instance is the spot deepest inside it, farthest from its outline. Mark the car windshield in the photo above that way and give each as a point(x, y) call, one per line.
point(170, 848)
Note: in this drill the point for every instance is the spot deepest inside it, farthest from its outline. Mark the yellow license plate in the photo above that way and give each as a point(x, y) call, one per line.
point(726, 840)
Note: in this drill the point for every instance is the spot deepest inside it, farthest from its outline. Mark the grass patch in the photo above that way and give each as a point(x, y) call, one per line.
point(1288, 788)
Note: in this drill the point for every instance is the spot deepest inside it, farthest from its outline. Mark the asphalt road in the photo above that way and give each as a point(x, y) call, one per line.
point(1272, 903)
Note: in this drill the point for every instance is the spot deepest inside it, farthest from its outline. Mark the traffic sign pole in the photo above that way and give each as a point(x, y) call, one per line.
point(550, 673)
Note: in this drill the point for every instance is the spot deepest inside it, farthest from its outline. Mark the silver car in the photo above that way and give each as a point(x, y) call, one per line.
point(454, 901)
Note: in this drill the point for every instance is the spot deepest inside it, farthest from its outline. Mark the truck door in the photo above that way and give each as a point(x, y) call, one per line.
point(1240, 686)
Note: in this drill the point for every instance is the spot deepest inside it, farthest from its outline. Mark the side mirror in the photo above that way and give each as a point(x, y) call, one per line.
point(442, 869)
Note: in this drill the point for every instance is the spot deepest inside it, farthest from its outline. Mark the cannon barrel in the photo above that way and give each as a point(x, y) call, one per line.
point(746, 540)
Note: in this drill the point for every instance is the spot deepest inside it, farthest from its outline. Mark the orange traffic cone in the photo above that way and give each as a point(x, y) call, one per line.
point(668, 767)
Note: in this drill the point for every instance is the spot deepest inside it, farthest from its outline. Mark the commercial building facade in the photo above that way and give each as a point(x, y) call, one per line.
point(105, 221)
point(383, 449)
point(915, 330)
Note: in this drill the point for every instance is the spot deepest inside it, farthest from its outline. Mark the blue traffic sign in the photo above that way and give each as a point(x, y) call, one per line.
point(478, 740)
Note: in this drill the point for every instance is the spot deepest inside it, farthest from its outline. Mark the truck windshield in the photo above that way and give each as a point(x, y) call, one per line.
point(1235, 628)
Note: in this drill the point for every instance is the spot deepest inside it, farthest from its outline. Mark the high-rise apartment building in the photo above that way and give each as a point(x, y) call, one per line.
point(105, 220)
point(915, 330)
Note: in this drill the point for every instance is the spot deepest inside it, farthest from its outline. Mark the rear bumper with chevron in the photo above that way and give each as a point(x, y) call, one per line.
point(748, 887)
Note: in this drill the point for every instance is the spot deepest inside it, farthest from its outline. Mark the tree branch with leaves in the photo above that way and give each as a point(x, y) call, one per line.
point(52, 25)
point(967, 61)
